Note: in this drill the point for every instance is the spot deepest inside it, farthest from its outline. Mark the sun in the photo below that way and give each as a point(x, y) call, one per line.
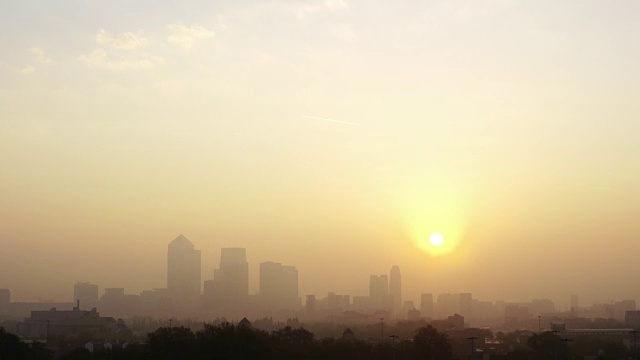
point(436, 239)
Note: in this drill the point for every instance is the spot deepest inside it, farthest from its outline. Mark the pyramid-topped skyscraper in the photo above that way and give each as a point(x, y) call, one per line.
point(183, 271)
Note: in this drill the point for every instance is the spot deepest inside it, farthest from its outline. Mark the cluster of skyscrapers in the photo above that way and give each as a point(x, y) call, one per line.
point(227, 294)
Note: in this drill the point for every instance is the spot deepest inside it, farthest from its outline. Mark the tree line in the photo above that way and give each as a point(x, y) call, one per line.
point(228, 341)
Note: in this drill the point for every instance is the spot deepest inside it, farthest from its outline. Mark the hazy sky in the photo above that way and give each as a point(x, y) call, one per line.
point(511, 127)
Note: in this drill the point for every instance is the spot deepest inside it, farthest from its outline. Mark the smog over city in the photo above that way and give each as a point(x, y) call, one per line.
point(441, 170)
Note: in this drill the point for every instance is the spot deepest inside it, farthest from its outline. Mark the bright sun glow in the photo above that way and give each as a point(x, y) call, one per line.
point(436, 239)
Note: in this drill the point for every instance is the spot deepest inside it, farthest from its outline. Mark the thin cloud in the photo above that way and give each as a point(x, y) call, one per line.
point(335, 4)
point(187, 36)
point(99, 58)
point(331, 5)
point(27, 70)
point(334, 121)
point(40, 55)
point(125, 41)
point(344, 32)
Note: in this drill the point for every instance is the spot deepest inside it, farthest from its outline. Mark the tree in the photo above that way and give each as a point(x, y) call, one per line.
point(430, 344)
point(546, 345)
point(226, 341)
point(168, 343)
point(11, 348)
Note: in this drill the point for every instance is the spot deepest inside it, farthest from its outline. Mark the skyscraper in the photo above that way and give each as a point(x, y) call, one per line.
point(232, 280)
point(426, 305)
point(183, 271)
point(395, 289)
point(379, 292)
point(279, 286)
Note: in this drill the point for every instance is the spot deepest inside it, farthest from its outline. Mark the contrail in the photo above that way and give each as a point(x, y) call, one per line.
point(335, 121)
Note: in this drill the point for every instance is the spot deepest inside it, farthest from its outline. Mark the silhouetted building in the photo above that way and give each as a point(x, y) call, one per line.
point(621, 307)
point(310, 307)
point(379, 292)
point(155, 302)
point(541, 306)
point(86, 293)
point(114, 302)
point(395, 289)
point(279, 286)
point(456, 320)
point(574, 302)
point(5, 297)
point(348, 334)
point(183, 272)
point(245, 323)
point(514, 314)
point(73, 323)
point(632, 319)
point(466, 305)
point(447, 304)
point(413, 315)
point(426, 305)
point(231, 280)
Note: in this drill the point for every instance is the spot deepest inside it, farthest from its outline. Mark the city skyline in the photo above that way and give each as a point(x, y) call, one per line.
point(336, 136)
point(232, 277)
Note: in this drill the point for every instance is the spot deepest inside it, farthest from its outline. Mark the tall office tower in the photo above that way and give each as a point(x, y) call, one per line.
point(232, 280)
point(395, 289)
point(447, 304)
point(426, 305)
point(279, 286)
point(183, 271)
point(379, 292)
point(466, 306)
point(87, 294)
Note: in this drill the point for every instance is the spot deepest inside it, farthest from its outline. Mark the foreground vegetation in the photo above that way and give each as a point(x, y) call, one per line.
point(227, 341)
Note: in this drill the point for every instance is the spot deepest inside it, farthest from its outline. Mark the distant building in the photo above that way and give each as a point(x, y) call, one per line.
point(574, 302)
point(466, 305)
point(426, 305)
point(514, 314)
point(395, 289)
point(279, 286)
point(348, 334)
point(456, 320)
point(413, 315)
point(115, 302)
point(408, 306)
point(86, 293)
point(5, 297)
point(231, 281)
point(183, 271)
point(379, 292)
point(70, 323)
point(632, 319)
point(245, 323)
point(310, 307)
point(447, 304)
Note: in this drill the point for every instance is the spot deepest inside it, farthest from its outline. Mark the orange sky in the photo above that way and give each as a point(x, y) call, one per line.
point(508, 126)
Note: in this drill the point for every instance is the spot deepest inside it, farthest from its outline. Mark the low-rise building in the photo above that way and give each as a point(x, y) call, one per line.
point(70, 323)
